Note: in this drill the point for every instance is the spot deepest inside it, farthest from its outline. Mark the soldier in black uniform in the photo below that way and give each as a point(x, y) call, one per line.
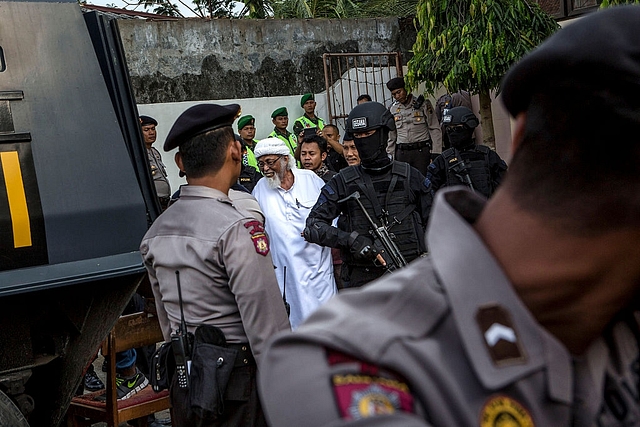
point(465, 162)
point(392, 192)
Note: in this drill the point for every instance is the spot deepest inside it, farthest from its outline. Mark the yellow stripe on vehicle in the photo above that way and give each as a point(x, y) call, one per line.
point(17, 199)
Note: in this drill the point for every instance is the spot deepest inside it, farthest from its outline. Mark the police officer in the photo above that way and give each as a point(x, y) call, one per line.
point(222, 258)
point(461, 98)
point(465, 163)
point(309, 118)
point(158, 169)
point(249, 176)
point(417, 131)
point(393, 194)
point(527, 311)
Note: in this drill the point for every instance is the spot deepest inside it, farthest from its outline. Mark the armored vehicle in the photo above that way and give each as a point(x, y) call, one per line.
point(76, 197)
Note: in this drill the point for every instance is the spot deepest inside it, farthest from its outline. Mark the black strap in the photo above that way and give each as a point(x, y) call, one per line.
point(350, 173)
point(366, 185)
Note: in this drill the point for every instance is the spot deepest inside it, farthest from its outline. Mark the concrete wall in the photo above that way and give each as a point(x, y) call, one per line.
point(193, 59)
point(259, 64)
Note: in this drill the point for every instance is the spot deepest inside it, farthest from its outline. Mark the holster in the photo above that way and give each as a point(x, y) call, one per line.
point(211, 365)
point(163, 366)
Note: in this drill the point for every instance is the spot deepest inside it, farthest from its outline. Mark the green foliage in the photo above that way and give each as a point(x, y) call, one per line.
point(607, 3)
point(470, 44)
point(199, 8)
point(315, 9)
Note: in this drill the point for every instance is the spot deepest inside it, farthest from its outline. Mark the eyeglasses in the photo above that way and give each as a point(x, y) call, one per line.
point(269, 163)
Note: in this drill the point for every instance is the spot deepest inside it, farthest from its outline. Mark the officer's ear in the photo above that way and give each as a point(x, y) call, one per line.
point(234, 150)
point(324, 156)
point(178, 159)
point(518, 131)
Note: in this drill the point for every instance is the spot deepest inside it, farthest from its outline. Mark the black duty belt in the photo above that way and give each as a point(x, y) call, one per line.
point(414, 145)
point(244, 357)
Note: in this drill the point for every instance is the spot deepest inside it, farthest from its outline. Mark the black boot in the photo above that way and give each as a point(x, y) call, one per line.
point(91, 380)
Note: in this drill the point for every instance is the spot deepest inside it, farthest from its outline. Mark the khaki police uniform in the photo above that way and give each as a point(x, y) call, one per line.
point(446, 342)
point(159, 175)
point(417, 134)
point(227, 280)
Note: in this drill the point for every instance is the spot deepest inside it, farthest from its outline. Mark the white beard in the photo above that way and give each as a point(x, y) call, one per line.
point(274, 182)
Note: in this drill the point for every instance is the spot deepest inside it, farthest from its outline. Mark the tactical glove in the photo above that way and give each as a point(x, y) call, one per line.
point(361, 246)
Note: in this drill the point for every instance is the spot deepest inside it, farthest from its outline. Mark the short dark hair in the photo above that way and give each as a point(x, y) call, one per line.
point(334, 127)
point(322, 143)
point(568, 169)
point(364, 97)
point(205, 153)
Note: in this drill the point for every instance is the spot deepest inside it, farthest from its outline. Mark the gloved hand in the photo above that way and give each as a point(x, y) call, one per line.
point(361, 246)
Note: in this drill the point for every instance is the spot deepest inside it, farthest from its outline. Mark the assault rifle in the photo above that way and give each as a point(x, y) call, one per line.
point(461, 170)
point(381, 233)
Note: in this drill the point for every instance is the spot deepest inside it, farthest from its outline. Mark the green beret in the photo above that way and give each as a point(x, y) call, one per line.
point(305, 98)
point(282, 111)
point(245, 120)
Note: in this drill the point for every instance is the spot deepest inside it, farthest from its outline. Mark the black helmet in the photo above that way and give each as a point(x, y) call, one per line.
point(368, 116)
point(460, 115)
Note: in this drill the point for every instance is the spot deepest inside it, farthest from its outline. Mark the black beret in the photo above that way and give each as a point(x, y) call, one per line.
point(199, 119)
point(146, 120)
point(602, 48)
point(395, 83)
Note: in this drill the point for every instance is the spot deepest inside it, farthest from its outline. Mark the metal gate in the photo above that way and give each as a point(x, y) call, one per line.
point(349, 75)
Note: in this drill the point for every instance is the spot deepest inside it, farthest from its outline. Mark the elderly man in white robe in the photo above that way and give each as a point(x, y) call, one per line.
point(304, 270)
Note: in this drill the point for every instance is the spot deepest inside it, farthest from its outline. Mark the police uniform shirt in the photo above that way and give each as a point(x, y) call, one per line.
point(414, 125)
point(226, 270)
point(446, 343)
point(159, 173)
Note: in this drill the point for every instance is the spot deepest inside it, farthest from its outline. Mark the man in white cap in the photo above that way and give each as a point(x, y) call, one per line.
point(304, 270)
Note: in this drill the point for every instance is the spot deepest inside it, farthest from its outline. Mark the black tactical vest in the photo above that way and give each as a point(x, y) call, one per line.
point(476, 161)
point(394, 202)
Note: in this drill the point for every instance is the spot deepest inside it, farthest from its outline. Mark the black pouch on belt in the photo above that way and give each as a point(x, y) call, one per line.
point(163, 365)
point(211, 368)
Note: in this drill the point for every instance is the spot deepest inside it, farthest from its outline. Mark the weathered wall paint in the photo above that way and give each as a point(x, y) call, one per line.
point(192, 59)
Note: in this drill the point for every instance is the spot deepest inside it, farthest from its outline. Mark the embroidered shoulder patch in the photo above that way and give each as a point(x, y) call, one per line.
point(369, 391)
point(500, 335)
point(504, 411)
point(258, 237)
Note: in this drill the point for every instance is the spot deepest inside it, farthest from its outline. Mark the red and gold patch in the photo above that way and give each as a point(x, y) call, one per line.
point(369, 391)
point(362, 396)
point(503, 411)
point(258, 237)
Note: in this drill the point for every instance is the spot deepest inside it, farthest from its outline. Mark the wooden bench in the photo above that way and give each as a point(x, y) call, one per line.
point(130, 331)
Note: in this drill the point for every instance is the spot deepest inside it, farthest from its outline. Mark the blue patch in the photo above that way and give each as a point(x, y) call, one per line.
point(329, 190)
point(321, 199)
